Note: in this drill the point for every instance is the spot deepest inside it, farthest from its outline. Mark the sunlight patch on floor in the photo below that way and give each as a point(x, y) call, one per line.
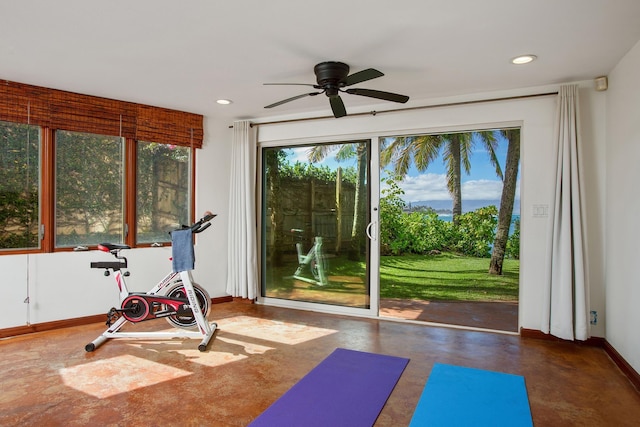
point(121, 374)
point(273, 330)
point(222, 351)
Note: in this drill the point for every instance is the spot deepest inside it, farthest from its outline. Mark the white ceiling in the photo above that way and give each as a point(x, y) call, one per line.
point(186, 54)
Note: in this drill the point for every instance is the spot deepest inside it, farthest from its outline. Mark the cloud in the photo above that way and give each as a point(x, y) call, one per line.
point(482, 189)
point(299, 154)
point(431, 186)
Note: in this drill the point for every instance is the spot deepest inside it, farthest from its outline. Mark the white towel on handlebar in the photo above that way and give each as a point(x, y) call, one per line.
point(182, 250)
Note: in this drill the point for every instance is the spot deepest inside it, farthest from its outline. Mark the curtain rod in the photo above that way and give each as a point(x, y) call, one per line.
point(422, 107)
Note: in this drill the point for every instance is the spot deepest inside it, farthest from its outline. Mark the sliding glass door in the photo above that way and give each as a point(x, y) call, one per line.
point(315, 220)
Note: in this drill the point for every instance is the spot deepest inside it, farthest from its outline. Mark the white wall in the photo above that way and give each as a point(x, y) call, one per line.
point(623, 204)
point(592, 154)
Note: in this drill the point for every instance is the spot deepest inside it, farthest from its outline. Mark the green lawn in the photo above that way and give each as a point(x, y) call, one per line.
point(447, 277)
point(443, 277)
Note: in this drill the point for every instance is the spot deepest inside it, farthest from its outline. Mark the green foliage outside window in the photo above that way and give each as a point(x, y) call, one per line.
point(89, 189)
point(163, 190)
point(300, 170)
point(19, 186)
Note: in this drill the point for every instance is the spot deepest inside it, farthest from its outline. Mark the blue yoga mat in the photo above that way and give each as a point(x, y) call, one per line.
point(458, 396)
point(348, 388)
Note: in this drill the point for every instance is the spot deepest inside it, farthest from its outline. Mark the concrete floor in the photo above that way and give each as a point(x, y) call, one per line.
point(260, 352)
point(499, 316)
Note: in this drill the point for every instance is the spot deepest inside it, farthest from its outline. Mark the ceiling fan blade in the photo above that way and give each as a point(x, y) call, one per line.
point(337, 106)
point(293, 98)
point(363, 76)
point(387, 96)
point(289, 84)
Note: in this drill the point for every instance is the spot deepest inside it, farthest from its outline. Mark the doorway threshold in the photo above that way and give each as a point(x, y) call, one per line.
point(484, 315)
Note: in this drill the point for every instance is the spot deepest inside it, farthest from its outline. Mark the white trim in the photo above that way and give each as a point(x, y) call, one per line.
point(342, 137)
point(317, 307)
point(373, 262)
point(361, 313)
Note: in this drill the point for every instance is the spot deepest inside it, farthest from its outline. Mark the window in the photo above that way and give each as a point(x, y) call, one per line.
point(75, 170)
point(89, 188)
point(19, 186)
point(163, 190)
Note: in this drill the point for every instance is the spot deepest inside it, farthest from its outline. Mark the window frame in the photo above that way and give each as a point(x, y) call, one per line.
point(133, 178)
point(59, 189)
point(53, 110)
point(40, 150)
point(48, 192)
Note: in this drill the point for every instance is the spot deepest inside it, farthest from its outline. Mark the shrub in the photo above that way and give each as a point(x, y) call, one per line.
point(475, 232)
point(392, 229)
point(513, 243)
point(421, 232)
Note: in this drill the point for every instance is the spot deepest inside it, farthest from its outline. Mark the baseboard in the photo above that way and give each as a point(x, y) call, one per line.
point(67, 323)
point(624, 366)
point(539, 335)
point(48, 326)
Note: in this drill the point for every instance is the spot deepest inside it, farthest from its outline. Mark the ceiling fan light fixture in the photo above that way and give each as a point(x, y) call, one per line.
point(523, 59)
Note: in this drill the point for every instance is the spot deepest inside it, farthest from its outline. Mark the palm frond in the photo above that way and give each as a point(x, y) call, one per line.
point(402, 161)
point(466, 149)
point(426, 150)
point(347, 151)
point(490, 142)
point(317, 153)
point(390, 147)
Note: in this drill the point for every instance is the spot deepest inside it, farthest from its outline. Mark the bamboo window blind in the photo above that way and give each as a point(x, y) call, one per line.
point(57, 109)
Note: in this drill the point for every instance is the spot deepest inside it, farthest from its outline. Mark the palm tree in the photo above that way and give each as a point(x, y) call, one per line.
point(273, 159)
point(347, 151)
point(456, 149)
point(507, 200)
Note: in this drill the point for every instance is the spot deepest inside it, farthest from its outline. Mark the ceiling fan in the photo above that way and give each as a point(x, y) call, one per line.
point(333, 77)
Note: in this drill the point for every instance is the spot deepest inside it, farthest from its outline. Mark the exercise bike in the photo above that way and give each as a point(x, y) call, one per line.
point(314, 259)
point(176, 298)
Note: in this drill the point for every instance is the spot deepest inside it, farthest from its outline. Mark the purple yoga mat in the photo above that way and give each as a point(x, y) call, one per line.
point(348, 388)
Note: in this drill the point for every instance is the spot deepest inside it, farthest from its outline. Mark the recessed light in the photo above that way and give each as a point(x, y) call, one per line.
point(224, 101)
point(523, 59)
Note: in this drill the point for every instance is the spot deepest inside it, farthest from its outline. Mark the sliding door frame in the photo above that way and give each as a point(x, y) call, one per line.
point(373, 184)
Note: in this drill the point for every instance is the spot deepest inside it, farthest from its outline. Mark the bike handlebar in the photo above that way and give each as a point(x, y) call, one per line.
point(202, 224)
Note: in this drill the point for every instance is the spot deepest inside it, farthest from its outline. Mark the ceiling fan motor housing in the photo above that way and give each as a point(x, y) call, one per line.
point(331, 75)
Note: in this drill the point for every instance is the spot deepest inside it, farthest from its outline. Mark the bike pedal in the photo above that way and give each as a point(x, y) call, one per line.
point(112, 315)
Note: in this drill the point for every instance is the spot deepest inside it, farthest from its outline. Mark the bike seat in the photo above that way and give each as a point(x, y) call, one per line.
point(108, 247)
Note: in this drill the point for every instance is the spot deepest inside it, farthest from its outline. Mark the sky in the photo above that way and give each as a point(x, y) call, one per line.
point(481, 184)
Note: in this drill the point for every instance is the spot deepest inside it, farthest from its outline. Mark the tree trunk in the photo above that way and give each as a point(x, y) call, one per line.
point(456, 177)
point(506, 201)
point(338, 210)
point(359, 206)
point(274, 250)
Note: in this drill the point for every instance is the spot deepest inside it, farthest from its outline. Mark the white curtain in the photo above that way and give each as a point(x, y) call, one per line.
point(566, 302)
point(242, 259)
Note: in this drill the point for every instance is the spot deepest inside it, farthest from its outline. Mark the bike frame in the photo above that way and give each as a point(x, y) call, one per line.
point(205, 329)
point(303, 260)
